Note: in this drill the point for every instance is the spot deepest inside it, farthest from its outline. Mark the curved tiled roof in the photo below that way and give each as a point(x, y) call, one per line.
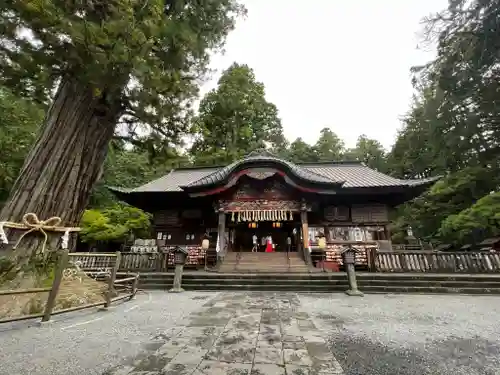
point(261, 157)
point(348, 174)
point(358, 175)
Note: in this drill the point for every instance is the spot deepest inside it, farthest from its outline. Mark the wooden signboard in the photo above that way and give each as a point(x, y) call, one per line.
point(271, 190)
point(374, 213)
point(336, 213)
point(167, 218)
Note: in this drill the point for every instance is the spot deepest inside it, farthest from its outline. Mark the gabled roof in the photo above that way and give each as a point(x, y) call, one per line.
point(344, 174)
point(260, 157)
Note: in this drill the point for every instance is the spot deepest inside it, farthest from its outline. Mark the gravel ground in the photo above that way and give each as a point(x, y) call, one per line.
point(417, 334)
point(376, 334)
point(71, 346)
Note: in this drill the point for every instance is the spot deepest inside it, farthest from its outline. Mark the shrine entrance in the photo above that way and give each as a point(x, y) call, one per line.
point(279, 232)
point(261, 205)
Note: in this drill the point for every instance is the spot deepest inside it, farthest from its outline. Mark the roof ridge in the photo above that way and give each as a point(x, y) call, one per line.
point(326, 163)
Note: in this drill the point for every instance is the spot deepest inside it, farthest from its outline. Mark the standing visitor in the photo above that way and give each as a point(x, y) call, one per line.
point(288, 244)
point(263, 242)
point(254, 243)
point(269, 244)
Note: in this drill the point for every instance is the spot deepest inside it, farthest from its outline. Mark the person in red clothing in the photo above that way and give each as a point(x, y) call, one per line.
point(269, 244)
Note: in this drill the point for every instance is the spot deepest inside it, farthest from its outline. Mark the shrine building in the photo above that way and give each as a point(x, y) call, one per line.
point(266, 197)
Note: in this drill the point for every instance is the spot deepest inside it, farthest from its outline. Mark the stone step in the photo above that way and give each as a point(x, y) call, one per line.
point(239, 281)
point(315, 282)
point(386, 277)
point(251, 287)
point(327, 288)
point(427, 276)
point(327, 282)
point(434, 283)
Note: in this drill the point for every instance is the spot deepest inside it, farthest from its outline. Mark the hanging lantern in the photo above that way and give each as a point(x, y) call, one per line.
point(249, 225)
point(205, 244)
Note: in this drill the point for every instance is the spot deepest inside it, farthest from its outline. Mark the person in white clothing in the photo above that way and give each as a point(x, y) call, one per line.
point(254, 243)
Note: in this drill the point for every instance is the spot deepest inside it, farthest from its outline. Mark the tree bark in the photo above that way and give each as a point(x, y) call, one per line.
point(64, 164)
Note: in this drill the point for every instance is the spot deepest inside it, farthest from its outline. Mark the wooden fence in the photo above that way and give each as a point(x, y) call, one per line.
point(437, 262)
point(70, 266)
point(367, 258)
point(143, 262)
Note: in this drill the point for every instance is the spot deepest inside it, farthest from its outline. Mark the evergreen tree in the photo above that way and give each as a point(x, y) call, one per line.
point(234, 119)
point(136, 62)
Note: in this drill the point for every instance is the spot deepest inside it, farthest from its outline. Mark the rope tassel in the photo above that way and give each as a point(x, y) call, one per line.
point(31, 223)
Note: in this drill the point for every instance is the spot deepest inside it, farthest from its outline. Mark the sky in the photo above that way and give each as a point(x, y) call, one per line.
point(342, 64)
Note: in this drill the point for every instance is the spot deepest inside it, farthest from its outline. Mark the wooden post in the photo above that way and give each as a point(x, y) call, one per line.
point(111, 281)
point(221, 232)
point(135, 286)
point(388, 235)
point(58, 275)
point(305, 229)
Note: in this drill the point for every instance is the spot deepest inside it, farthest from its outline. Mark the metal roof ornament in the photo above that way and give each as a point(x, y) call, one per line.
point(262, 151)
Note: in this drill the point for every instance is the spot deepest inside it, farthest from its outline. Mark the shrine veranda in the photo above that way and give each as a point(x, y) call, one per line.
point(264, 195)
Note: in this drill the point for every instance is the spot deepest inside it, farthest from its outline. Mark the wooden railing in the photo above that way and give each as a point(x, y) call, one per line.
point(149, 262)
point(109, 286)
point(93, 261)
point(427, 261)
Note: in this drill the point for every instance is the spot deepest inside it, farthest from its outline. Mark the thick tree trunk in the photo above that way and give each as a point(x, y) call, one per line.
point(63, 165)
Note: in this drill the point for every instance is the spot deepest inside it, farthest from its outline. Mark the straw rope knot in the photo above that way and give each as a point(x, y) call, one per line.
point(31, 221)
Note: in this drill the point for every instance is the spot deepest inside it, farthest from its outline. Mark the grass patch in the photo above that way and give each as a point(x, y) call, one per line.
point(39, 273)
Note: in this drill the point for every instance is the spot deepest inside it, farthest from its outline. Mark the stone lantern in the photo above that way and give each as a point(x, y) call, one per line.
point(180, 257)
point(349, 258)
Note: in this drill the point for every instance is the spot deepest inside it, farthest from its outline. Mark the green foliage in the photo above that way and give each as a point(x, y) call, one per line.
point(301, 152)
point(329, 147)
point(144, 56)
point(481, 220)
point(368, 151)
point(454, 193)
point(125, 168)
point(235, 119)
point(453, 127)
point(114, 224)
point(6, 266)
point(19, 122)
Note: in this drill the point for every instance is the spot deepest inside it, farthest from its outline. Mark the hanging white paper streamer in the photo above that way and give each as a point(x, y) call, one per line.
point(65, 240)
point(3, 236)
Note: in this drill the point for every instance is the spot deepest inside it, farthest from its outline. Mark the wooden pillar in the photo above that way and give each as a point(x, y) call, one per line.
point(221, 233)
point(387, 232)
point(305, 228)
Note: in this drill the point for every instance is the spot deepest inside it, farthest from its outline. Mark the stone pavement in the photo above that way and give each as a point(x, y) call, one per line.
point(239, 334)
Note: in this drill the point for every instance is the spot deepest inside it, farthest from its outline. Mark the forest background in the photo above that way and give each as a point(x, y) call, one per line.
point(452, 129)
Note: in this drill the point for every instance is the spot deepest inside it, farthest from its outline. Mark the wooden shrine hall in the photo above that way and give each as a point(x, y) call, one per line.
point(262, 200)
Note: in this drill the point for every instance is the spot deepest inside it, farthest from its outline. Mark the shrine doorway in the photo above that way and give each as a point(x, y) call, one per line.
point(279, 233)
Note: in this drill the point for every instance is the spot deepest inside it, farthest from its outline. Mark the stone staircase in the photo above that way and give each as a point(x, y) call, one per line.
point(323, 282)
point(247, 262)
